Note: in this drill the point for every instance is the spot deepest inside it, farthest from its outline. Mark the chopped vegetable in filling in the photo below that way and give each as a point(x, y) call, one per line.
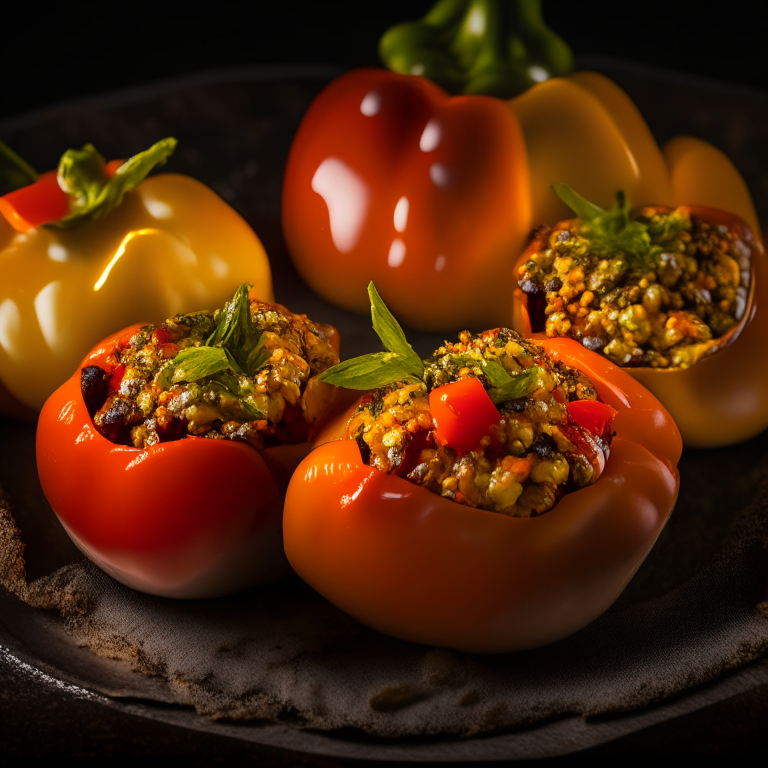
point(240, 373)
point(660, 293)
point(532, 451)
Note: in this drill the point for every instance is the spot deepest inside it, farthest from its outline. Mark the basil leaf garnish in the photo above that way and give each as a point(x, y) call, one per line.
point(380, 368)
point(233, 321)
point(391, 334)
point(195, 363)
point(610, 228)
point(235, 347)
point(519, 385)
point(93, 193)
point(229, 381)
point(15, 172)
point(495, 372)
point(585, 210)
point(236, 331)
point(369, 371)
point(257, 357)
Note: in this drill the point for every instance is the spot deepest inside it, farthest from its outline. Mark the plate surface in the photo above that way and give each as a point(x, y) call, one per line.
point(687, 624)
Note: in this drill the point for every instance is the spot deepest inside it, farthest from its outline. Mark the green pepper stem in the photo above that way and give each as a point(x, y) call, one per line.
point(494, 47)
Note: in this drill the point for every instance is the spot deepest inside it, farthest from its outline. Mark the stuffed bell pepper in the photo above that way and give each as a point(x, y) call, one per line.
point(166, 456)
point(77, 245)
point(496, 496)
point(433, 196)
point(677, 296)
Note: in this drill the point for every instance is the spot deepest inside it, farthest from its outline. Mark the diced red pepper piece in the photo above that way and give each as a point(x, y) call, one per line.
point(594, 416)
point(161, 336)
point(462, 413)
point(36, 204)
point(116, 377)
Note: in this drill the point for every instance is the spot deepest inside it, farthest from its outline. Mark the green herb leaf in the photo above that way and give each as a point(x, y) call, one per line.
point(369, 371)
point(257, 357)
point(233, 364)
point(195, 363)
point(495, 372)
point(611, 229)
point(94, 194)
point(15, 172)
point(236, 331)
point(391, 334)
point(253, 411)
point(519, 385)
point(231, 319)
point(379, 369)
point(585, 210)
point(229, 381)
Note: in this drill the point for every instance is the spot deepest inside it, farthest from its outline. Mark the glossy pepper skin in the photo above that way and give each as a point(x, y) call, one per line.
point(172, 241)
point(420, 567)
point(390, 180)
point(722, 399)
point(432, 197)
point(191, 518)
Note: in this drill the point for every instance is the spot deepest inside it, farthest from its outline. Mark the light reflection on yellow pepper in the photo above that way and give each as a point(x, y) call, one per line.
point(172, 246)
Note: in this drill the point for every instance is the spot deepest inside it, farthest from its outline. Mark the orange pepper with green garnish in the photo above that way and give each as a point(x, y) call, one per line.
point(717, 394)
point(416, 565)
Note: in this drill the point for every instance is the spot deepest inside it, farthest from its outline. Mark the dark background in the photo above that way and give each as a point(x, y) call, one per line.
point(73, 52)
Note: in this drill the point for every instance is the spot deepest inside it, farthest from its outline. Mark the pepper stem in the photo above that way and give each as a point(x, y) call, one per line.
point(493, 47)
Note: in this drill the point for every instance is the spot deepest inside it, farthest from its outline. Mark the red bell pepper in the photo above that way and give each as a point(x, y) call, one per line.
point(189, 518)
point(392, 180)
point(596, 417)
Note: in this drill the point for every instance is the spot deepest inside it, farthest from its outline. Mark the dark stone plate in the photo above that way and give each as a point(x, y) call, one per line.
point(681, 647)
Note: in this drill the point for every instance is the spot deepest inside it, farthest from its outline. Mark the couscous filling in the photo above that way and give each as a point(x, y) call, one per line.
point(240, 374)
point(527, 459)
point(660, 297)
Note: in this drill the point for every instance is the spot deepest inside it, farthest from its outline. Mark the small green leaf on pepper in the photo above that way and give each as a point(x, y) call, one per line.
point(93, 192)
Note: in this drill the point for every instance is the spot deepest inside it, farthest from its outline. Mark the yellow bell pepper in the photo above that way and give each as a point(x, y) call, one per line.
point(584, 131)
point(172, 245)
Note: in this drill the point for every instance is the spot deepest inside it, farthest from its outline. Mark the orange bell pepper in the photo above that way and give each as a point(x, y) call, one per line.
point(722, 398)
point(423, 568)
point(207, 517)
point(432, 197)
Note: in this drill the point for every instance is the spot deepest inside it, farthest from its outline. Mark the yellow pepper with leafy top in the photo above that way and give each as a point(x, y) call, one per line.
point(127, 251)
